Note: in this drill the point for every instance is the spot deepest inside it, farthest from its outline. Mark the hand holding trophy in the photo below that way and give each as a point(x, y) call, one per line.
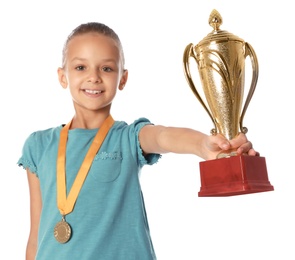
point(220, 57)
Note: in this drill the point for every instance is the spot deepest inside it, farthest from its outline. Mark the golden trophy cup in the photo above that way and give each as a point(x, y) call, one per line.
point(220, 59)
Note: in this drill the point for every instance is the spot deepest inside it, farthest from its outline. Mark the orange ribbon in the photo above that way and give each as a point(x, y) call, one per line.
point(64, 204)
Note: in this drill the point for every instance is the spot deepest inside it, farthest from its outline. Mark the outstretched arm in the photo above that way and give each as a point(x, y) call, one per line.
point(161, 139)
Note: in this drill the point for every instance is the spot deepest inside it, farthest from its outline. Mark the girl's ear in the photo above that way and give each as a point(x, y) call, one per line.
point(123, 80)
point(62, 77)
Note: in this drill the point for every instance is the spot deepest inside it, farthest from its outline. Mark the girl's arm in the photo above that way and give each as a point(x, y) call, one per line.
point(35, 211)
point(161, 139)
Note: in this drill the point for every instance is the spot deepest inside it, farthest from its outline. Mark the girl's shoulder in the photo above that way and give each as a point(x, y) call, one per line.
point(138, 123)
point(45, 134)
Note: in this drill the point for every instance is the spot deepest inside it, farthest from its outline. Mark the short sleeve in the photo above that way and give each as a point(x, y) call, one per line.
point(29, 156)
point(149, 159)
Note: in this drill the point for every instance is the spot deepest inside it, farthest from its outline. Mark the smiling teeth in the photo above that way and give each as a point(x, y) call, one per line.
point(92, 91)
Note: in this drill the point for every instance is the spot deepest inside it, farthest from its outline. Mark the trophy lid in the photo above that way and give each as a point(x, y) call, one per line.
point(217, 35)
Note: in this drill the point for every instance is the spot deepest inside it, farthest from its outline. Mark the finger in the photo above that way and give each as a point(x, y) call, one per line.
point(222, 142)
point(252, 152)
point(240, 140)
point(248, 149)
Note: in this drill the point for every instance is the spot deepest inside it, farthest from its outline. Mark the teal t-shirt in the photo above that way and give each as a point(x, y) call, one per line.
point(109, 220)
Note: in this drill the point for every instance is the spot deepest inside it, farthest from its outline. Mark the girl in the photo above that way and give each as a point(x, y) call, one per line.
point(85, 195)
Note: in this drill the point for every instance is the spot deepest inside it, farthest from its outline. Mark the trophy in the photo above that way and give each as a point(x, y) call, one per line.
point(220, 59)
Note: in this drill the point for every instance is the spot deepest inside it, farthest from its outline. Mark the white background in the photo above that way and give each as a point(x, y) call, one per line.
point(154, 35)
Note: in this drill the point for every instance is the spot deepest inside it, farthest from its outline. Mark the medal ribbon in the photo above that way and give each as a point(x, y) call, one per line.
point(64, 204)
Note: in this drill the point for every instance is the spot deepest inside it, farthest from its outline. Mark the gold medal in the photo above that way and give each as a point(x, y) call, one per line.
point(62, 231)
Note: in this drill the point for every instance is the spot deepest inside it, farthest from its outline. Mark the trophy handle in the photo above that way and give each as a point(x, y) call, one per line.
point(188, 52)
point(249, 51)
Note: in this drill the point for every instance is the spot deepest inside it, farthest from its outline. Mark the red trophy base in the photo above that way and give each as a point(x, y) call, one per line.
point(235, 175)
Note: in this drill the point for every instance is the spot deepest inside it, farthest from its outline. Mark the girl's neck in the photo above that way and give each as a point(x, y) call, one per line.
point(88, 121)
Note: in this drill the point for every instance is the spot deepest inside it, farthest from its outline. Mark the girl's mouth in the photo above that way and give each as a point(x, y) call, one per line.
point(92, 91)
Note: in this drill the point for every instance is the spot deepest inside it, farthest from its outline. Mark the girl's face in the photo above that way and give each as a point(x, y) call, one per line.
point(93, 71)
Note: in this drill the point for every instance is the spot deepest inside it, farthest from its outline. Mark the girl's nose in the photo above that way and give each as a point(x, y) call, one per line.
point(94, 77)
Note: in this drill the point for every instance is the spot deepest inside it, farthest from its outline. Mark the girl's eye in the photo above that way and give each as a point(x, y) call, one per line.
point(80, 68)
point(107, 69)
